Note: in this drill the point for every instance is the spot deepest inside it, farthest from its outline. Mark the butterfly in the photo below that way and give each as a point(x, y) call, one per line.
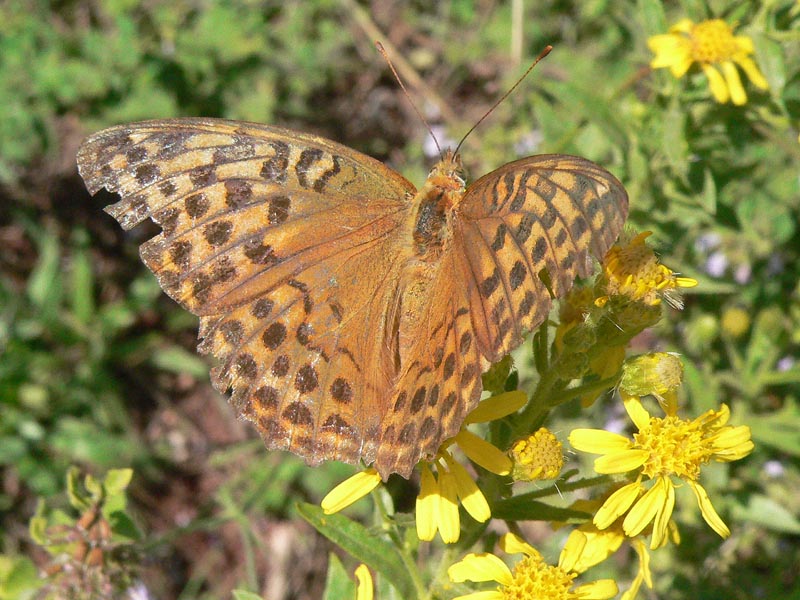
point(352, 315)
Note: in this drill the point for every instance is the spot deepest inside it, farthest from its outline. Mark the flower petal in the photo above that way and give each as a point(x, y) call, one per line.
point(637, 412)
point(617, 505)
point(351, 489)
point(483, 453)
point(599, 545)
point(663, 516)
point(645, 510)
point(601, 589)
point(719, 88)
point(480, 567)
point(683, 26)
point(708, 511)
point(753, 73)
point(681, 64)
point(365, 588)
point(745, 44)
point(468, 491)
point(732, 443)
point(598, 441)
point(738, 95)
point(513, 544)
point(448, 519)
point(572, 551)
point(497, 407)
point(621, 462)
point(644, 562)
point(427, 509)
point(487, 595)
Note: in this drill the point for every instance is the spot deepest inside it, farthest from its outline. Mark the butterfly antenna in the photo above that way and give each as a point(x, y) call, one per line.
point(544, 53)
point(382, 50)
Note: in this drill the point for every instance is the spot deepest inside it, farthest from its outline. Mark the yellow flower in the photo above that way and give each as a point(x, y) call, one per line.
point(662, 449)
point(440, 493)
point(631, 270)
point(713, 46)
point(538, 456)
point(531, 577)
point(364, 588)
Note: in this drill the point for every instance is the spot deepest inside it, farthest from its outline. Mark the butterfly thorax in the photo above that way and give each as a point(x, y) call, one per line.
point(434, 202)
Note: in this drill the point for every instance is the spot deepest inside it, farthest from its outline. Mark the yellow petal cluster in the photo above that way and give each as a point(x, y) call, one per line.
point(631, 269)
point(531, 576)
point(713, 46)
point(664, 448)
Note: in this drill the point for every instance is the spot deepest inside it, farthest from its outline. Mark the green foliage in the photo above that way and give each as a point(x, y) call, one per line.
point(61, 398)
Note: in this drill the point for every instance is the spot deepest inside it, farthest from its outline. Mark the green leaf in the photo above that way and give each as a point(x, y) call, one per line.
point(94, 487)
point(673, 140)
point(521, 508)
point(768, 513)
point(708, 199)
point(82, 280)
point(124, 528)
point(116, 480)
point(769, 56)
point(19, 578)
point(77, 496)
point(82, 442)
point(37, 526)
point(363, 544)
point(45, 284)
point(178, 360)
point(338, 585)
point(652, 12)
point(778, 429)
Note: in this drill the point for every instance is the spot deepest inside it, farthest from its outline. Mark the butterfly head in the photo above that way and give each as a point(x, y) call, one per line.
point(448, 174)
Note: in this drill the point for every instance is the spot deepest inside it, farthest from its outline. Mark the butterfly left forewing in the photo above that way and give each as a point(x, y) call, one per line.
point(548, 212)
point(280, 242)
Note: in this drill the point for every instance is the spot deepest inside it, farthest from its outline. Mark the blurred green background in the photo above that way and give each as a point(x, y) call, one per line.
point(97, 366)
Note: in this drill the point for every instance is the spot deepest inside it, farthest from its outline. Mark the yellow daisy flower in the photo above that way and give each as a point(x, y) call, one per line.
point(713, 46)
point(631, 270)
point(662, 449)
point(531, 577)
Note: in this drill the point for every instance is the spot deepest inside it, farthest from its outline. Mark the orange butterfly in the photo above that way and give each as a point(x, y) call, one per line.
point(352, 314)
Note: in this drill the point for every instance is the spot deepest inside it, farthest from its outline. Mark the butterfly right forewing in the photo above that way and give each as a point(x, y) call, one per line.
point(547, 212)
